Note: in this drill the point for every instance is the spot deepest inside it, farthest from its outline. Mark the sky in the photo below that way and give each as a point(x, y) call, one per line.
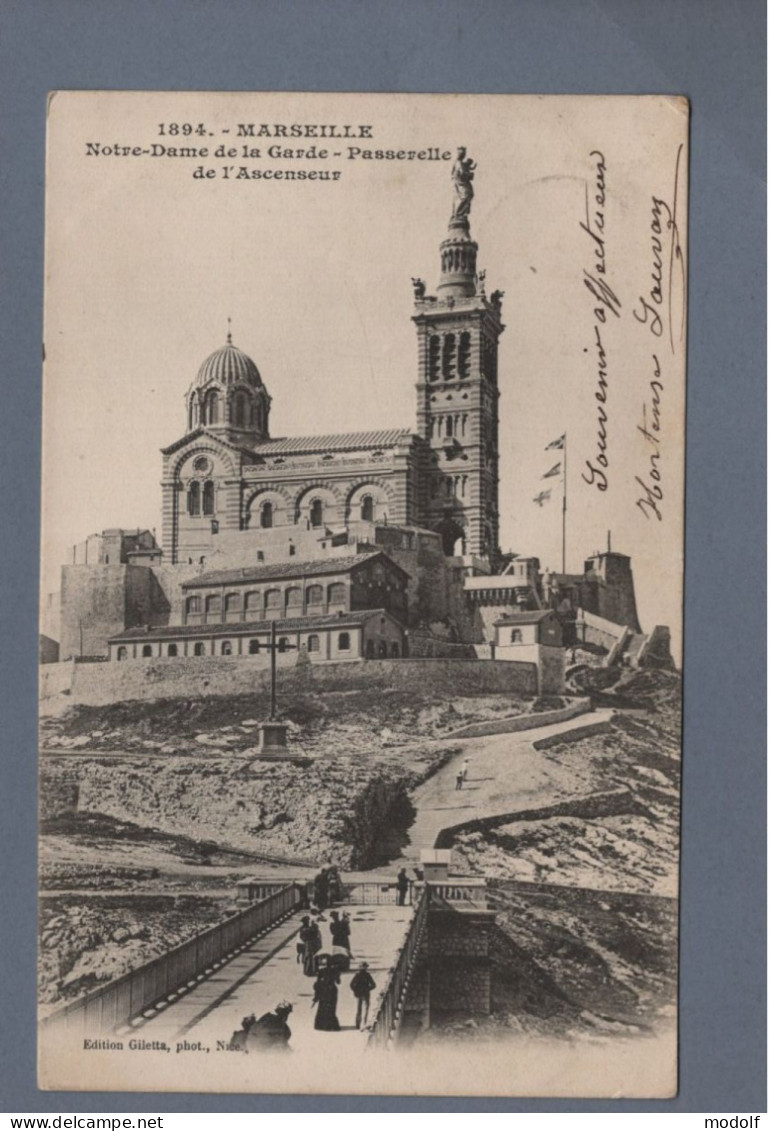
point(145, 263)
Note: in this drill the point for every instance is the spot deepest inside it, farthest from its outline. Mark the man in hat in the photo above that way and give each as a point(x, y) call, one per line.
point(361, 985)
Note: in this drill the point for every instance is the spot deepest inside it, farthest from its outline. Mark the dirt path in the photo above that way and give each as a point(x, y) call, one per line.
point(506, 773)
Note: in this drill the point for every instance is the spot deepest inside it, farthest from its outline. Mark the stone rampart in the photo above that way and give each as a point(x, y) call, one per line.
point(193, 676)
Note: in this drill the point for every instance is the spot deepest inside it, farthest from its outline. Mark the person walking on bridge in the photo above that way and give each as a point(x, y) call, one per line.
point(402, 884)
point(325, 997)
point(361, 985)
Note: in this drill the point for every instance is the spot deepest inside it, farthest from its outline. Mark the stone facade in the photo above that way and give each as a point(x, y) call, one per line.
point(458, 332)
point(294, 589)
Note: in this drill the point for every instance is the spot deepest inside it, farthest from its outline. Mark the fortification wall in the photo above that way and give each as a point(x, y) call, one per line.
point(599, 630)
point(194, 676)
point(98, 601)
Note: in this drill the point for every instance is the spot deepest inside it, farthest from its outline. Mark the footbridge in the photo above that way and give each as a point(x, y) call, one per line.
point(199, 991)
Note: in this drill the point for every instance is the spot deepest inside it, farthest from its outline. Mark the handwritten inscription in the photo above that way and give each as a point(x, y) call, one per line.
point(605, 303)
point(656, 311)
point(650, 482)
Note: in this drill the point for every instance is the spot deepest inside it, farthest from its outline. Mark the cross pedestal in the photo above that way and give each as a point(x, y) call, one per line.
point(273, 736)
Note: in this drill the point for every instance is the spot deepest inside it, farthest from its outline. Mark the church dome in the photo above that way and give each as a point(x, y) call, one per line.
point(227, 366)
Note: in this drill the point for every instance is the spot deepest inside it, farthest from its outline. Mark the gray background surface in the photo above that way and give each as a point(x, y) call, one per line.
point(713, 51)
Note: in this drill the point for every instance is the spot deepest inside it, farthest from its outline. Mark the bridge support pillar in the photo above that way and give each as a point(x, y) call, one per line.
point(458, 959)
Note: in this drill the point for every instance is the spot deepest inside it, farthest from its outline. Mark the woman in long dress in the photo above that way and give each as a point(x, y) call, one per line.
point(325, 997)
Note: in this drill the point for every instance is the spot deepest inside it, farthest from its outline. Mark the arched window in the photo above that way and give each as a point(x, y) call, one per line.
point(313, 643)
point(283, 644)
point(232, 606)
point(294, 597)
point(314, 594)
point(449, 427)
point(434, 362)
point(147, 650)
point(193, 606)
point(253, 604)
point(199, 649)
point(213, 607)
point(316, 512)
point(395, 650)
point(272, 599)
point(173, 650)
point(208, 497)
point(336, 593)
point(226, 648)
point(516, 636)
point(193, 498)
point(211, 408)
point(239, 413)
point(265, 515)
point(253, 647)
point(343, 643)
point(463, 360)
point(449, 357)
point(122, 652)
point(367, 508)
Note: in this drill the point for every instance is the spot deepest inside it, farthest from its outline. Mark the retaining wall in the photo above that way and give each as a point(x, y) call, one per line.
point(530, 721)
point(573, 735)
point(196, 676)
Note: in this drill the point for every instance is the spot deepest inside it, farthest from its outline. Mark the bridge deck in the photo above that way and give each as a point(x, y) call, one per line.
point(267, 972)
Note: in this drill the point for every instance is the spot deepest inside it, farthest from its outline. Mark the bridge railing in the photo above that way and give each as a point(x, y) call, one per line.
point(464, 890)
point(114, 1005)
point(389, 1013)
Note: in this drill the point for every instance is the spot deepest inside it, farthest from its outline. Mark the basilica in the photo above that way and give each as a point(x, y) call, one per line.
point(352, 546)
point(231, 489)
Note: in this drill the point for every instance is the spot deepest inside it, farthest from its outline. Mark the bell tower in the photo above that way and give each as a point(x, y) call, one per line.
point(458, 332)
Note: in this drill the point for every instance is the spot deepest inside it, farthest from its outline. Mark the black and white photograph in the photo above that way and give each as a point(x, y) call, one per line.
point(361, 593)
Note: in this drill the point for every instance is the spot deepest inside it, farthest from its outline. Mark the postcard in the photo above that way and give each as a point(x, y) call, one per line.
point(361, 611)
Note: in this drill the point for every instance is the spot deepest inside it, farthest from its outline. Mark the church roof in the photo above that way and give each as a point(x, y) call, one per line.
point(227, 366)
point(279, 570)
point(249, 628)
point(528, 616)
point(337, 442)
point(189, 437)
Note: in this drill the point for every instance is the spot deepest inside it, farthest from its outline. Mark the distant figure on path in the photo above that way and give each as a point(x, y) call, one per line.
point(402, 884)
point(271, 1032)
point(361, 985)
point(325, 997)
point(460, 779)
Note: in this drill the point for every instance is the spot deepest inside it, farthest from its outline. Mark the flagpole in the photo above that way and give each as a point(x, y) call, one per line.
point(563, 531)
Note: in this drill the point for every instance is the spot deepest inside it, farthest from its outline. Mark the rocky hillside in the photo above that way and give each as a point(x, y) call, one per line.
point(84, 943)
point(367, 720)
point(631, 844)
